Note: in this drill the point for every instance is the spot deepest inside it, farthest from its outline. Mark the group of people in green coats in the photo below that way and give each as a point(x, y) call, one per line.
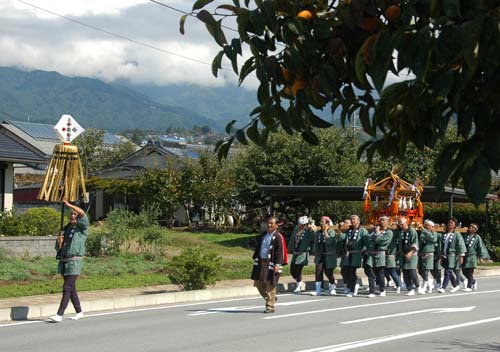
point(387, 255)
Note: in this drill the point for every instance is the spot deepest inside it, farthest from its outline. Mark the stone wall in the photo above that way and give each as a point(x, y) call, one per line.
point(28, 246)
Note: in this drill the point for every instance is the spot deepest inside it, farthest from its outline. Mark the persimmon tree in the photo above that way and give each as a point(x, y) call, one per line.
point(311, 55)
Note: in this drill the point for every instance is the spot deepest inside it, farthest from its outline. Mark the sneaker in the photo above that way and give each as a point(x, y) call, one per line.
point(474, 286)
point(441, 290)
point(466, 282)
point(297, 288)
point(331, 289)
point(398, 289)
point(411, 293)
point(455, 289)
point(78, 316)
point(429, 289)
point(269, 311)
point(356, 289)
point(467, 289)
point(371, 295)
point(348, 295)
point(55, 318)
point(421, 291)
point(382, 294)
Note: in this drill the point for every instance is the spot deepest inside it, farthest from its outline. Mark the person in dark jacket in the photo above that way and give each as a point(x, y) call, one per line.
point(70, 251)
point(268, 259)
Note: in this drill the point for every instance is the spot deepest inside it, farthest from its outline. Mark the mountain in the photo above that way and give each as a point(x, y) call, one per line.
point(43, 97)
point(222, 104)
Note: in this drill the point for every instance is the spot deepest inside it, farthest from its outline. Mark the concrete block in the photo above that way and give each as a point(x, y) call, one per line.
point(48, 309)
point(165, 298)
point(184, 296)
point(5, 314)
point(145, 300)
point(202, 295)
point(101, 304)
point(124, 302)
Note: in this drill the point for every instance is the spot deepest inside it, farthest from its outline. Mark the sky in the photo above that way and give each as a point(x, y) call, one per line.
point(31, 39)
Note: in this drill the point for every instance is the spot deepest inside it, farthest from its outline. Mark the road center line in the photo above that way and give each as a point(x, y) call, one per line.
point(431, 310)
point(379, 304)
point(374, 341)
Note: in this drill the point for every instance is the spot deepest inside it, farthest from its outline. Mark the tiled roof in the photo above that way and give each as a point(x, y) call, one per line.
point(45, 132)
point(13, 151)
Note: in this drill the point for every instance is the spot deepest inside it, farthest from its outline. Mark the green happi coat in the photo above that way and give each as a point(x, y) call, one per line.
point(391, 258)
point(71, 254)
point(299, 245)
point(352, 247)
point(456, 248)
point(426, 243)
point(475, 250)
point(407, 240)
point(330, 249)
point(375, 246)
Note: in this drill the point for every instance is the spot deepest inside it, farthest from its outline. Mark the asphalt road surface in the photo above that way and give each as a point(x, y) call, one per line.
point(437, 322)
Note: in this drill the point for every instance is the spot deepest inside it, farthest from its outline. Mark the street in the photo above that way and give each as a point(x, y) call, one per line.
point(459, 322)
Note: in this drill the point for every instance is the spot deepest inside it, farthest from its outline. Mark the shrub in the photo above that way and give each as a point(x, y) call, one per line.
point(94, 244)
point(33, 222)
point(195, 269)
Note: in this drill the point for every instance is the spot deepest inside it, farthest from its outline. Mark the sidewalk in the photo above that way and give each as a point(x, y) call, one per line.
point(37, 307)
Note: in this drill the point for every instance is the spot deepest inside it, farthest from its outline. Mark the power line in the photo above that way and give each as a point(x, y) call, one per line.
point(186, 13)
point(116, 35)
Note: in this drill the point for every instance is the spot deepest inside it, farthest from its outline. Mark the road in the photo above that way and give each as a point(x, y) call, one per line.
point(458, 322)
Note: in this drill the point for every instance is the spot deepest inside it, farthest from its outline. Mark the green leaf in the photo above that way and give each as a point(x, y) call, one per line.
point(240, 136)
point(205, 17)
point(223, 149)
point(200, 4)
point(217, 63)
point(318, 122)
point(253, 132)
point(256, 111)
point(181, 24)
point(360, 67)
point(263, 93)
point(231, 8)
point(364, 118)
point(310, 137)
point(236, 44)
point(229, 126)
point(477, 180)
point(247, 68)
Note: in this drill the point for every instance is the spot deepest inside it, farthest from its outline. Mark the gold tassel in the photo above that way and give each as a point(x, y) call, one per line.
point(63, 177)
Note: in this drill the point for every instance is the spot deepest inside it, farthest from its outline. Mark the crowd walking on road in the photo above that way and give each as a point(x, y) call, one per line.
point(414, 261)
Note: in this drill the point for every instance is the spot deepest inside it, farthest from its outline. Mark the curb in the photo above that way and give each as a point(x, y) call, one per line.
point(34, 312)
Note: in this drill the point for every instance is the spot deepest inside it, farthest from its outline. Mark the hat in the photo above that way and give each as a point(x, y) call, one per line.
point(327, 220)
point(303, 220)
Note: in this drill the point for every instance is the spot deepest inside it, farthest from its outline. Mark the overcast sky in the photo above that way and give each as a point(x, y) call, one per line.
point(33, 39)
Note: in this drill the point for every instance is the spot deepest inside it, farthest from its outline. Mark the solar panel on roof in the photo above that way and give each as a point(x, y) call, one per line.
point(45, 132)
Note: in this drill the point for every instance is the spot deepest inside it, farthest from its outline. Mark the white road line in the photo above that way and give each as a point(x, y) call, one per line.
point(145, 309)
point(380, 304)
point(374, 341)
point(431, 310)
point(245, 308)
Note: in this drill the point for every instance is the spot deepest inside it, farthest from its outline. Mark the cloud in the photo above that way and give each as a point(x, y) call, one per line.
point(31, 39)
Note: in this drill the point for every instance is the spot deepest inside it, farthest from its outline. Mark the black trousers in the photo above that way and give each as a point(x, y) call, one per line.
point(424, 274)
point(296, 271)
point(375, 276)
point(436, 273)
point(469, 274)
point(349, 276)
point(449, 275)
point(69, 292)
point(320, 269)
point(411, 278)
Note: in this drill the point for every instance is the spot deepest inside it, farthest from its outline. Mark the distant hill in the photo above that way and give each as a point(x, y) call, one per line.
point(222, 104)
point(218, 103)
point(45, 96)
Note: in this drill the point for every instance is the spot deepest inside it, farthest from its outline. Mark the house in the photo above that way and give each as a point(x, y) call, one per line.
point(151, 155)
point(14, 150)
